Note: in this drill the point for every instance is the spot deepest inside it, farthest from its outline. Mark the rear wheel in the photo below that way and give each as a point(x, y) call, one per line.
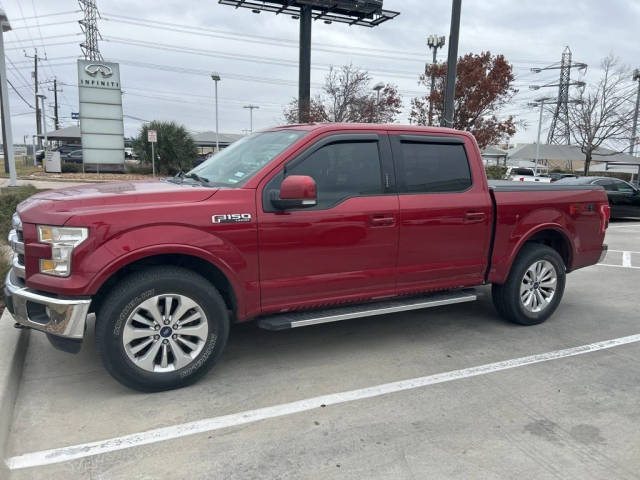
point(534, 287)
point(161, 328)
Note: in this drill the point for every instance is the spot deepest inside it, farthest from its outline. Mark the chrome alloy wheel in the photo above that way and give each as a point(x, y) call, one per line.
point(165, 333)
point(538, 286)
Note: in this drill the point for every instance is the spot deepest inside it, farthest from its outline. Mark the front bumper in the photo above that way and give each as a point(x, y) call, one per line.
point(63, 317)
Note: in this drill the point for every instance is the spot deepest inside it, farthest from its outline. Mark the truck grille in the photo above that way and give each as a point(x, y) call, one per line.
point(16, 241)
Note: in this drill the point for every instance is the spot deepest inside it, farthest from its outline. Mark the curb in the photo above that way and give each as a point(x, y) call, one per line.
point(13, 348)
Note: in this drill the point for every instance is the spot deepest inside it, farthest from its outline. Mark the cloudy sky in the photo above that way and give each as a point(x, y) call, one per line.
point(167, 49)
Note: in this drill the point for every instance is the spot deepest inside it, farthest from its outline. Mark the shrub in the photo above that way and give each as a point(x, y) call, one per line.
point(71, 168)
point(174, 151)
point(9, 200)
point(138, 168)
point(495, 172)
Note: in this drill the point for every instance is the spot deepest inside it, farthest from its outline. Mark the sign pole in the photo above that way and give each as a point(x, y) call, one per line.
point(152, 138)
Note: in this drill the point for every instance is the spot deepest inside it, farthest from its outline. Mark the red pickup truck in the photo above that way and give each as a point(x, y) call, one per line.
point(291, 226)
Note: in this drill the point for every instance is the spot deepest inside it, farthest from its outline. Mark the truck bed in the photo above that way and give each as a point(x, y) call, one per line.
point(569, 211)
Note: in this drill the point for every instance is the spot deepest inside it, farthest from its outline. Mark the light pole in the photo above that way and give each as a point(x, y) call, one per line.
point(434, 42)
point(539, 102)
point(6, 114)
point(216, 78)
point(636, 78)
point(377, 87)
point(251, 108)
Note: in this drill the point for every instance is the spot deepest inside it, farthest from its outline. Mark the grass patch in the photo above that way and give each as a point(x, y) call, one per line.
point(10, 197)
point(23, 168)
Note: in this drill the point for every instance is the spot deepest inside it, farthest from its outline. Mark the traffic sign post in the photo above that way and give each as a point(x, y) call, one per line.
point(152, 137)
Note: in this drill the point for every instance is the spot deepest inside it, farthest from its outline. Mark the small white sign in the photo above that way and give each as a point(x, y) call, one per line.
point(52, 162)
point(152, 136)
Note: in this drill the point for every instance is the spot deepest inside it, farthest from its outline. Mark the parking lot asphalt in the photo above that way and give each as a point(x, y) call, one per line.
point(563, 416)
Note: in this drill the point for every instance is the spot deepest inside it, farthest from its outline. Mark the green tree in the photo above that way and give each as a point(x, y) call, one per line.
point(174, 151)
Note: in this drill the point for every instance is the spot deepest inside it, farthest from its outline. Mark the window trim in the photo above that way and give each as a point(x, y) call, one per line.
point(384, 151)
point(396, 145)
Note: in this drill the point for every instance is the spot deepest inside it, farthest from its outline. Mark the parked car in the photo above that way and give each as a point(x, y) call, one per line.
point(67, 148)
point(39, 155)
point(555, 176)
point(74, 156)
point(624, 198)
point(522, 174)
point(286, 227)
point(129, 153)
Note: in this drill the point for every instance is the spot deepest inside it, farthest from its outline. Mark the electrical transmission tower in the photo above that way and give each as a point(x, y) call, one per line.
point(560, 132)
point(89, 25)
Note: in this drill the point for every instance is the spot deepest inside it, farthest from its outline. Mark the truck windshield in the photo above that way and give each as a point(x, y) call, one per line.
point(237, 163)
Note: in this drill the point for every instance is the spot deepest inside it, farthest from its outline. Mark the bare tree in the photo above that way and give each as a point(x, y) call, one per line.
point(347, 97)
point(602, 115)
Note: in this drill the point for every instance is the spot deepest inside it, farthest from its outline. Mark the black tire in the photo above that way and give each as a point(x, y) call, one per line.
point(507, 298)
point(127, 295)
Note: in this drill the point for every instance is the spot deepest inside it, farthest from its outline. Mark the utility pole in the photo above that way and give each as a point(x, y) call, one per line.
point(7, 135)
point(434, 42)
point(452, 59)
point(36, 92)
point(634, 127)
point(560, 131)
point(377, 88)
point(251, 109)
point(55, 91)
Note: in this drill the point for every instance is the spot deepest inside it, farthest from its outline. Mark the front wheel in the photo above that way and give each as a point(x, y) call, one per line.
point(161, 328)
point(534, 287)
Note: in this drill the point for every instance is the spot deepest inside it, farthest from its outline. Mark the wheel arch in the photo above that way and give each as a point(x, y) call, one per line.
point(552, 235)
point(208, 270)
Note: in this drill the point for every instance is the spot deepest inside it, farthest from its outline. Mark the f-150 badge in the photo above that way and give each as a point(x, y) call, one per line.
point(231, 218)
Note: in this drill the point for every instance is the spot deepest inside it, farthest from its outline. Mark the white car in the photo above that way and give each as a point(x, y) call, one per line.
point(522, 174)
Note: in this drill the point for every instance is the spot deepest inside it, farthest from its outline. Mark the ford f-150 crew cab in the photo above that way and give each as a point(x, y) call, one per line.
point(291, 226)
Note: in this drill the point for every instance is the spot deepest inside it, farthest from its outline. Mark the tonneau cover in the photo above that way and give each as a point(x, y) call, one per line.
point(509, 186)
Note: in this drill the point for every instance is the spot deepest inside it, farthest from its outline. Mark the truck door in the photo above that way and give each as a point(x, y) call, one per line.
point(345, 247)
point(445, 212)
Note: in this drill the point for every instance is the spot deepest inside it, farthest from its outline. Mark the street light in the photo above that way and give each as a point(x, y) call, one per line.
point(215, 76)
point(6, 113)
point(377, 87)
point(541, 102)
point(434, 42)
point(251, 108)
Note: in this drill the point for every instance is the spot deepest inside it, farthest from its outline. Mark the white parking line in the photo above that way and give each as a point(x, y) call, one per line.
point(65, 454)
point(626, 259)
point(633, 225)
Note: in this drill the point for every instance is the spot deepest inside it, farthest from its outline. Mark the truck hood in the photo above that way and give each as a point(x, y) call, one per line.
point(57, 206)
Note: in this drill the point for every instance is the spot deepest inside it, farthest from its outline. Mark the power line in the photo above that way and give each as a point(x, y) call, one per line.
point(19, 95)
point(47, 15)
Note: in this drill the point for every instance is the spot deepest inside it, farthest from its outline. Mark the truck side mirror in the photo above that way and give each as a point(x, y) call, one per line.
point(296, 191)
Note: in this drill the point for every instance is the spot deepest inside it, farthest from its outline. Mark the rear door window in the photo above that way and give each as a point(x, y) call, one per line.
point(432, 167)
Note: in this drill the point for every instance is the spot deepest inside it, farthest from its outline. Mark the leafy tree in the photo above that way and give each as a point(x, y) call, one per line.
point(347, 97)
point(174, 151)
point(604, 113)
point(484, 85)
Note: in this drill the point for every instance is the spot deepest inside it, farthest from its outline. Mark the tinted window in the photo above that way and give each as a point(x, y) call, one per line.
point(608, 185)
point(622, 186)
point(340, 170)
point(429, 167)
point(522, 171)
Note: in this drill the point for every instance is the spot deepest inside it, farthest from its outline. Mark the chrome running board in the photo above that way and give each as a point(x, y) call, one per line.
point(282, 321)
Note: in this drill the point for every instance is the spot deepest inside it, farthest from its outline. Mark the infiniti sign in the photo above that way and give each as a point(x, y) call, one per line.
point(93, 69)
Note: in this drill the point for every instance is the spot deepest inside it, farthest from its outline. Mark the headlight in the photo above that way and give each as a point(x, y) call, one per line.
point(62, 240)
